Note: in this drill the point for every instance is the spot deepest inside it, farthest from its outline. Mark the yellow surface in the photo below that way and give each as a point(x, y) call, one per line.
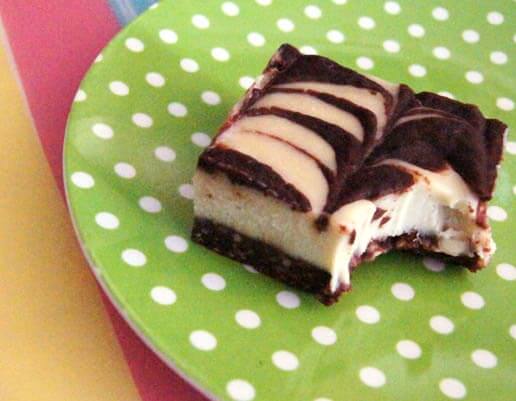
point(56, 341)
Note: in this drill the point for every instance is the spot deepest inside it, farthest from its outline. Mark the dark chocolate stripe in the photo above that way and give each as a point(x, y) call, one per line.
point(374, 182)
point(366, 117)
point(245, 170)
point(467, 112)
point(431, 143)
point(348, 150)
point(292, 66)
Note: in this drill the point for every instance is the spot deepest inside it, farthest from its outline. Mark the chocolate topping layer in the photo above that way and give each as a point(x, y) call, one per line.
point(425, 129)
point(244, 170)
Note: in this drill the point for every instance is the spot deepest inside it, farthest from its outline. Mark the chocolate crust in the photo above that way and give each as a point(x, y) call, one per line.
point(266, 259)
point(300, 274)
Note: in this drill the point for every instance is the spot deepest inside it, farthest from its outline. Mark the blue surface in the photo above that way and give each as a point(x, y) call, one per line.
point(127, 10)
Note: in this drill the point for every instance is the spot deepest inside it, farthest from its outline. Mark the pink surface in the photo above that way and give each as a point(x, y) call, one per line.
point(54, 42)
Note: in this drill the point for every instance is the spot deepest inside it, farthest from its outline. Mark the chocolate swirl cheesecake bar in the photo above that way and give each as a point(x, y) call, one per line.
point(319, 168)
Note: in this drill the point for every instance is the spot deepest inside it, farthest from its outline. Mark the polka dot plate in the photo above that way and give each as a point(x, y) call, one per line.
point(412, 328)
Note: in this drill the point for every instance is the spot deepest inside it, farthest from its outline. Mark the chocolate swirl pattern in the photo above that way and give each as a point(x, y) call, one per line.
point(332, 147)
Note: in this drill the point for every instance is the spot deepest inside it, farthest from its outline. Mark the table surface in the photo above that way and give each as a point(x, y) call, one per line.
point(58, 331)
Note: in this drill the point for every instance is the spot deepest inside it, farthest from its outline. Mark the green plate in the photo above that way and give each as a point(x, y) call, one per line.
point(411, 328)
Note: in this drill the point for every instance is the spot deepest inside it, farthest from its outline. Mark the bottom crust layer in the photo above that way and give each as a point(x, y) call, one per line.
point(298, 273)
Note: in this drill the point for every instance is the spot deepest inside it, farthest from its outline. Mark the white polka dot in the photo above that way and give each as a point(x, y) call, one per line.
point(441, 324)
point(452, 388)
point(313, 12)
point(392, 7)
point(134, 44)
point(402, 291)
point(484, 358)
point(512, 331)
point(125, 170)
point(308, 50)
point(446, 94)
point(82, 180)
point(372, 377)
point(165, 154)
point(475, 77)
point(176, 244)
point(200, 21)
point(241, 390)
point(203, 340)
point(322, 399)
point(150, 204)
point(285, 360)
point(335, 36)
point(211, 98)
point(366, 23)
point(189, 65)
point(246, 82)
point(510, 146)
point(285, 25)
point(102, 130)
point(201, 139)
point(119, 88)
point(506, 271)
point(470, 36)
point(416, 31)
point(134, 257)
point(248, 319)
point(230, 9)
point(154, 6)
point(340, 2)
point(365, 63)
point(213, 281)
point(168, 36)
point(472, 300)
point(504, 103)
point(250, 268)
point(163, 295)
point(495, 18)
point(417, 70)
point(434, 265)
point(391, 46)
point(99, 58)
point(186, 191)
point(220, 54)
point(155, 79)
point(80, 96)
point(288, 299)
point(368, 314)
point(177, 109)
point(107, 220)
point(496, 213)
point(441, 52)
point(256, 39)
point(408, 349)
point(498, 57)
point(324, 335)
point(142, 120)
point(440, 14)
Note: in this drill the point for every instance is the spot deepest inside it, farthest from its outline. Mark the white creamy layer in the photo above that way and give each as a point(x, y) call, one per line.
point(431, 207)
